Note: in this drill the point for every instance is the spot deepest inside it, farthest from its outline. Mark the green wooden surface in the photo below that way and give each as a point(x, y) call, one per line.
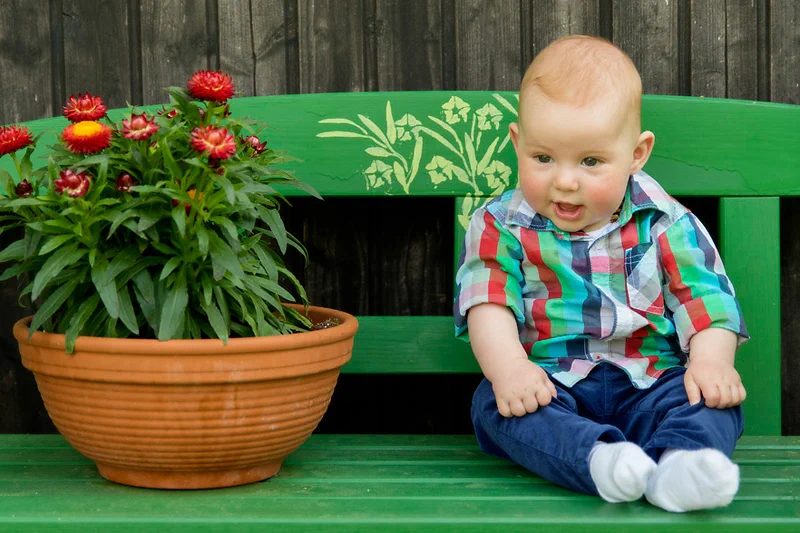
point(409, 345)
point(346, 483)
point(760, 142)
point(750, 248)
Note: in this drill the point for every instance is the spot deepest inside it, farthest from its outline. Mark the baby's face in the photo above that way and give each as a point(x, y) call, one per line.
point(574, 162)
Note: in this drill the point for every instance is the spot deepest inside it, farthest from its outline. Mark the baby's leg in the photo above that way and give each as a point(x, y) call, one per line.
point(556, 443)
point(694, 443)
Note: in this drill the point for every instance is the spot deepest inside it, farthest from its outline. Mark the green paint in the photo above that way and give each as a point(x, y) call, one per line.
point(750, 248)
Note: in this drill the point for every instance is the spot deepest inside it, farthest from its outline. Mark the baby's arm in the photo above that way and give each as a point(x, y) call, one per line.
point(711, 371)
point(520, 386)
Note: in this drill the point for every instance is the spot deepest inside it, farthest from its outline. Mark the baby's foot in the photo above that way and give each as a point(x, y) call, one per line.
point(692, 480)
point(620, 471)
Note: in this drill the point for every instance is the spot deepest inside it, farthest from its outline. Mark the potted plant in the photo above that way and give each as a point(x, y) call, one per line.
point(164, 341)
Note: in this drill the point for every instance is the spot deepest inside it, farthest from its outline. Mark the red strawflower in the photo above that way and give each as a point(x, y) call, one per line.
point(85, 107)
point(255, 143)
point(87, 137)
point(139, 127)
point(23, 189)
point(74, 184)
point(217, 142)
point(125, 181)
point(12, 138)
point(172, 113)
point(215, 86)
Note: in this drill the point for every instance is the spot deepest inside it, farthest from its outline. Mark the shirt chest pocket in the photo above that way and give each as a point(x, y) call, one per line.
point(643, 278)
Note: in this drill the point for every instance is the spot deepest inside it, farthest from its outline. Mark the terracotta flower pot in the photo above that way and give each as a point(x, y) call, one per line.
point(189, 414)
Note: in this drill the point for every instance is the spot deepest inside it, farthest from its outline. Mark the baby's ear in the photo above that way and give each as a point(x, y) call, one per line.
point(644, 147)
point(513, 131)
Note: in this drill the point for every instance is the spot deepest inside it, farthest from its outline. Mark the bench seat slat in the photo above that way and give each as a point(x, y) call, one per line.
point(401, 483)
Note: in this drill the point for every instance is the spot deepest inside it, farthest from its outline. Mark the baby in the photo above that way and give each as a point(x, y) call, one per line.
point(597, 306)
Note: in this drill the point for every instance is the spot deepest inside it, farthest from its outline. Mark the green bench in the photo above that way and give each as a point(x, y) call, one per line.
point(455, 145)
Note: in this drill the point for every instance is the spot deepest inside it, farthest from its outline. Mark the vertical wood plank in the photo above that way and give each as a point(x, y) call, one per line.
point(408, 42)
point(331, 44)
point(488, 45)
point(27, 81)
point(175, 43)
point(742, 49)
point(708, 62)
point(253, 39)
point(648, 32)
point(784, 44)
point(552, 19)
point(751, 252)
point(25, 61)
point(97, 51)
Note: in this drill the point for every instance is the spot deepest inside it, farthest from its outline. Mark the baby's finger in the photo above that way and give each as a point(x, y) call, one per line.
point(543, 396)
point(692, 390)
point(502, 406)
point(552, 389)
point(735, 396)
point(742, 392)
point(712, 395)
point(517, 407)
point(531, 405)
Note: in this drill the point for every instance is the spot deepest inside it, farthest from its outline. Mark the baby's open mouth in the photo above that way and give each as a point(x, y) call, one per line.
point(568, 211)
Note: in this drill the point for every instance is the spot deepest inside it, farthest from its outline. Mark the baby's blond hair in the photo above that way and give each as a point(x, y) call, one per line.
point(580, 70)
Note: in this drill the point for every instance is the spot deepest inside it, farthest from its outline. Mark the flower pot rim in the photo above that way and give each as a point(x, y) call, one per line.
point(347, 327)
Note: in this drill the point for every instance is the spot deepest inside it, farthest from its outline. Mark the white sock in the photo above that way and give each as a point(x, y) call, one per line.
point(691, 480)
point(620, 470)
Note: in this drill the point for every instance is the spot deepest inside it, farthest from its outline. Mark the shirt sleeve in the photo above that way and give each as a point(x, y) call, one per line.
point(489, 270)
point(696, 289)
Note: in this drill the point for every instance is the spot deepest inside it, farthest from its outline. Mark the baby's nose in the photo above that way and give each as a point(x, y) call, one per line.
point(565, 180)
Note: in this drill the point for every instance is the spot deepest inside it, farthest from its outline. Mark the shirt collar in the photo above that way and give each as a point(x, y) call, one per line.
point(642, 193)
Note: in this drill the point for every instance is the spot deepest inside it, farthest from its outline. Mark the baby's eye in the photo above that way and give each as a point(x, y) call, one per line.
point(590, 161)
point(543, 158)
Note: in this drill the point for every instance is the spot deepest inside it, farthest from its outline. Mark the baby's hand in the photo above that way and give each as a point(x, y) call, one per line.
point(717, 381)
point(522, 388)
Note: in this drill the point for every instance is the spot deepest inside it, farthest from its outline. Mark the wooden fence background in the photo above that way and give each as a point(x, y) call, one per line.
point(363, 261)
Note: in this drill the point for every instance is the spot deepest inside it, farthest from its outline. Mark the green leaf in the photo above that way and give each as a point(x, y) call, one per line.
point(122, 262)
point(107, 291)
point(13, 252)
point(222, 303)
point(171, 265)
point(145, 295)
point(216, 320)
point(267, 262)
point(126, 312)
point(169, 160)
point(223, 259)
point(53, 303)
point(53, 243)
point(208, 288)
point(61, 258)
point(174, 307)
point(295, 283)
point(275, 223)
point(228, 226)
point(202, 240)
point(79, 319)
point(179, 217)
point(416, 159)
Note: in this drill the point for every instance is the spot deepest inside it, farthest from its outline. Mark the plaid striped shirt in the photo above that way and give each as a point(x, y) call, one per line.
point(633, 293)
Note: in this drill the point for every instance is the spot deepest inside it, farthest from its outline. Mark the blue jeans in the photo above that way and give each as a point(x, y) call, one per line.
point(555, 441)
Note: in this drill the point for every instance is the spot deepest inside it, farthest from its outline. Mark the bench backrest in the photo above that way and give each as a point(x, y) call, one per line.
point(456, 144)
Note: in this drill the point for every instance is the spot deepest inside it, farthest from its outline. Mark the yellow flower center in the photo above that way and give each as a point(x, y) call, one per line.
point(87, 128)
